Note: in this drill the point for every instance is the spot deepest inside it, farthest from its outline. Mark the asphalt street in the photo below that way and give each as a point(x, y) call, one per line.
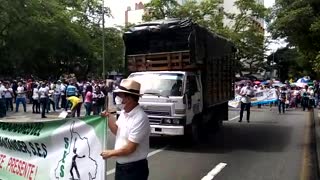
point(271, 147)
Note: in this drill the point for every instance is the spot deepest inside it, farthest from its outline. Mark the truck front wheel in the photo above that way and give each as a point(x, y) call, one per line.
point(193, 131)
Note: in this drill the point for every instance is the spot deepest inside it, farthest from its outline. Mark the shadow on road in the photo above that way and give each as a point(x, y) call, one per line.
point(263, 137)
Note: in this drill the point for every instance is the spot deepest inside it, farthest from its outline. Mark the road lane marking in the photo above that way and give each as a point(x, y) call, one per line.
point(232, 119)
point(150, 154)
point(214, 171)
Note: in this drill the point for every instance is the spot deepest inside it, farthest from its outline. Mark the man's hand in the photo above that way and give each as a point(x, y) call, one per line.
point(104, 114)
point(106, 154)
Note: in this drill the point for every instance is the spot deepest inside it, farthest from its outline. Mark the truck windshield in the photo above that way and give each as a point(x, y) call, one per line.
point(160, 84)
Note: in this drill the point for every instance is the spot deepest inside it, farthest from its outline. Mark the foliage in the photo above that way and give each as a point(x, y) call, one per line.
point(241, 28)
point(52, 37)
point(299, 22)
point(289, 63)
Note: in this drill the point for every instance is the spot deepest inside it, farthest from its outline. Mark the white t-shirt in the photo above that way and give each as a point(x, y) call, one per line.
point(8, 93)
point(62, 89)
point(57, 90)
point(246, 92)
point(2, 89)
point(43, 91)
point(133, 126)
point(35, 95)
point(21, 92)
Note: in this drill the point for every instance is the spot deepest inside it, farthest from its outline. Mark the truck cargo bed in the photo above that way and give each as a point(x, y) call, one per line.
point(177, 60)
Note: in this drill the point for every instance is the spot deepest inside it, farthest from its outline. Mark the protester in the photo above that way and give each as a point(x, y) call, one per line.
point(282, 100)
point(3, 109)
point(21, 97)
point(75, 105)
point(44, 92)
point(132, 131)
point(36, 99)
point(8, 95)
point(246, 93)
point(88, 100)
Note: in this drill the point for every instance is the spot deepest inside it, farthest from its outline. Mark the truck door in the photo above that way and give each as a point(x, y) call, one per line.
point(193, 97)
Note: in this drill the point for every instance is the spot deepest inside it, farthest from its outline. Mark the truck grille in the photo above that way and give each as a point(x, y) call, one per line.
point(154, 120)
point(157, 110)
point(157, 113)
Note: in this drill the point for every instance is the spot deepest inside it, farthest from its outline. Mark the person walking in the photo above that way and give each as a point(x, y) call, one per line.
point(3, 109)
point(8, 94)
point(88, 100)
point(282, 100)
point(21, 97)
point(43, 91)
point(36, 99)
point(132, 130)
point(246, 94)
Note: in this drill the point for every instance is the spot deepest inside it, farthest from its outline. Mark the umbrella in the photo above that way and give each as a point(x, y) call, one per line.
point(300, 84)
point(257, 82)
point(243, 82)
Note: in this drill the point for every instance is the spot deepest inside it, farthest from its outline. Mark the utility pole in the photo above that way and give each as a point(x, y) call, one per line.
point(103, 48)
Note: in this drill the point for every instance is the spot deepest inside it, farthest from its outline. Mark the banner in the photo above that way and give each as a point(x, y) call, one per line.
point(261, 97)
point(58, 150)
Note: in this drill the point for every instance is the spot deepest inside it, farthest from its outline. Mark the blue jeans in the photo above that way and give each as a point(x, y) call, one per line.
point(23, 101)
point(57, 100)
point(88, 107)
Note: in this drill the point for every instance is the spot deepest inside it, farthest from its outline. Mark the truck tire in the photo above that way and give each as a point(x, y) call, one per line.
point(193, 131)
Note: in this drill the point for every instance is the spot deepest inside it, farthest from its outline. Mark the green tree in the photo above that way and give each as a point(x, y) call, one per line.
point(299, 23)
point(48, 38)
point(160, 9)
point(241, 27)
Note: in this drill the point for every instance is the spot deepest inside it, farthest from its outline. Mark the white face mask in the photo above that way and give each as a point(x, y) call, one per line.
point(119, 101)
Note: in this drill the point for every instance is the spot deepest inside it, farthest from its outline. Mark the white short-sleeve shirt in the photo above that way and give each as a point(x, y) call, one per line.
point(133, 126)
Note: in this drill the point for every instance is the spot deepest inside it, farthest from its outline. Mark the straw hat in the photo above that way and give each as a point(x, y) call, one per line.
point(128, 86)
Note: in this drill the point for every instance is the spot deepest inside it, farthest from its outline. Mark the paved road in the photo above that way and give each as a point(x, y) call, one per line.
point(270, 147)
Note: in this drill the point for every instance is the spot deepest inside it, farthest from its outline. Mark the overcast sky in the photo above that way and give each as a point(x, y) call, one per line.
point(118, 8)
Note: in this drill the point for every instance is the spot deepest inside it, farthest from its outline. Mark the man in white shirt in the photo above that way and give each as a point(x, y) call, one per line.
point(21, 97)
point(43, 92)
point(247, 93)
point(3, 109)
point(63, 95)
point(8, 95)
point(57, 94)
point(132, 130)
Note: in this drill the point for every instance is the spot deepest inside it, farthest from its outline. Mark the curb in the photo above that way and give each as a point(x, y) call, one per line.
point(315, 130)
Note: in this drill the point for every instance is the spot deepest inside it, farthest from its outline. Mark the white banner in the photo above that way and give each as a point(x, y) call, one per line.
point(55, 150)
point(261, 97)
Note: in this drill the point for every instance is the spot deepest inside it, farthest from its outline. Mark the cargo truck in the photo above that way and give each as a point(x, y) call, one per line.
point(186, 74)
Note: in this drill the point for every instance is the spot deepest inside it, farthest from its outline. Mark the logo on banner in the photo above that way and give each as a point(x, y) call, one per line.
point(75, 164)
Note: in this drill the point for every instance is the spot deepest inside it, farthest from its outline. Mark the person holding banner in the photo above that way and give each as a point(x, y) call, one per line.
point(132, 130)
point(247, 93)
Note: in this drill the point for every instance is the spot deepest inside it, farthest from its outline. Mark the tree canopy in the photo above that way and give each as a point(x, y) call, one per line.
point(299, 23)
point(242, 28)
point(52, 37)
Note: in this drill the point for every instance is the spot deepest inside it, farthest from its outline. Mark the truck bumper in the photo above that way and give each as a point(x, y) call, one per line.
point(167, 130)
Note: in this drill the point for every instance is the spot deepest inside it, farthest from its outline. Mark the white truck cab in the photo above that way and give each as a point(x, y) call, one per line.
point(171, 99)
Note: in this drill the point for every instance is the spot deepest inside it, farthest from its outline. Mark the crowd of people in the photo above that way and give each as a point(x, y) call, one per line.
point(288, 95)
point(50, 96)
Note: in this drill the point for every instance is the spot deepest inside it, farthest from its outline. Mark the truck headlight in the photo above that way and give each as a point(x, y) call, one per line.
point(175, 121)
point(167, 121)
